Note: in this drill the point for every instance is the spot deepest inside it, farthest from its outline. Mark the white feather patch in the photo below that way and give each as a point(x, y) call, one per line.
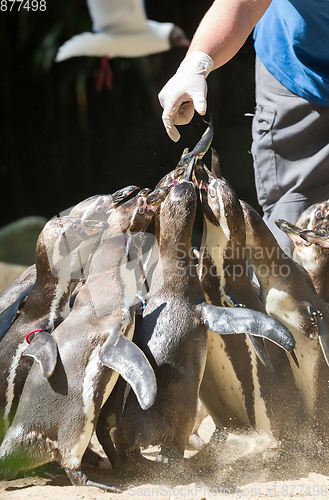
point(92, 370)
point(10, 392)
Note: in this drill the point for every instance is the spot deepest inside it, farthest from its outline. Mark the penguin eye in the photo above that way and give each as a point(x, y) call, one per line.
point(141, 210)
point(99, 209)
point(75, 227)
point(318, 214)
point(212, 191)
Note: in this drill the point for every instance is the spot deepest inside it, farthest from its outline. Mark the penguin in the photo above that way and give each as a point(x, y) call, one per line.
point(96, 207)
point(58, 410)
point(288, 294)
point(173, 334)
point(223, 216)
point(310, 251)
point(107, 420)
point(238, 388)
point(62, 250)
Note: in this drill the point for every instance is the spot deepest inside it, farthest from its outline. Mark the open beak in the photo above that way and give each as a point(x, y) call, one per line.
point(143, 192)
point(316, 237)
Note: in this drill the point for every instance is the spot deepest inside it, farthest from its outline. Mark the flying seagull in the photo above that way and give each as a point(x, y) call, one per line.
point(121, 29)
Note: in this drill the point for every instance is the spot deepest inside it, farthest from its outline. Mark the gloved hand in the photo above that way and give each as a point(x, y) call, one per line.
point(187, 84)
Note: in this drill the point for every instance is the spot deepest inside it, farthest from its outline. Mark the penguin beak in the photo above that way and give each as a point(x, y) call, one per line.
point(316, 237)
point(294, 233)
point(179, 172)
point(185, 172)
point(288, 228)
point(120, 195)
point(215, 164)
point(158, 196)
point(143, 192)
point(187, 176)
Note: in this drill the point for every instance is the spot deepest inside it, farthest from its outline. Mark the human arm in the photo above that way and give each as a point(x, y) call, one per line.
point(221, 33)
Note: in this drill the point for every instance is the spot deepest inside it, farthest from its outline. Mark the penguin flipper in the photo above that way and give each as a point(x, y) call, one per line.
point(43, 349)
point(126, 358)
point(260, 349)
point(257, 343)
point(8, 314)
point(243, 320)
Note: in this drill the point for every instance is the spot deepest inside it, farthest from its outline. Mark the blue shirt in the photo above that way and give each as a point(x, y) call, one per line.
point(292, 41)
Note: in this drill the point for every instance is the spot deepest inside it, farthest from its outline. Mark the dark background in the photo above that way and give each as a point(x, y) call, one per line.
point(61, 141)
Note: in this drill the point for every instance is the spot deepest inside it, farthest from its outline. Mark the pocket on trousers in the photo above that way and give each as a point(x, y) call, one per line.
point(267, 187)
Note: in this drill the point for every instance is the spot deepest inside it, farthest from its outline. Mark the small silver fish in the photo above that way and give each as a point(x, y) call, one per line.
point(200, 149)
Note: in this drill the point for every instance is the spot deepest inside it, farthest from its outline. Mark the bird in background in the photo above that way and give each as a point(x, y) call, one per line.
point(121, 29)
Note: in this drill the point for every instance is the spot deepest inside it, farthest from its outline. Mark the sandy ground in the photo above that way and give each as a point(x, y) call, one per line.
point(245, 465)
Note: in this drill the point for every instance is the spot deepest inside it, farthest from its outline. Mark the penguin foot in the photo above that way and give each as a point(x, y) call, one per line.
point(79, 478)
point(102, 486)
point(194, 442)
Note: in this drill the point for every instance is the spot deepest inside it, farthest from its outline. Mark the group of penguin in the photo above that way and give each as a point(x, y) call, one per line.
point(114, 327)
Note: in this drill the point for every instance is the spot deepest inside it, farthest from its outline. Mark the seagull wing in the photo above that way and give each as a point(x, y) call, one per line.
point(117, 15)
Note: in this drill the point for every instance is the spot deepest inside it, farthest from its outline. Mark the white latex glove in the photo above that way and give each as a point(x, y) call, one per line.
point(187, 84)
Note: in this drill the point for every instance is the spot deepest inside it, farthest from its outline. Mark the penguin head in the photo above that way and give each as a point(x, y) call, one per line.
point(257, 233)
point(314, 217)
point(98, 207)
point(220, 204)
point(65, 244)
point(121, 194)
point(305, 253)
point(177, 213)
point(94, 207)
point(136, 214)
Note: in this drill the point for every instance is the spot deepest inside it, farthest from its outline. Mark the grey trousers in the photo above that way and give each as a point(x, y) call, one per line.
point(290, 151)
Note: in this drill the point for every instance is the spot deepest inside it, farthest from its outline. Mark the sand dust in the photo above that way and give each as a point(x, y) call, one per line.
point(240, 465)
